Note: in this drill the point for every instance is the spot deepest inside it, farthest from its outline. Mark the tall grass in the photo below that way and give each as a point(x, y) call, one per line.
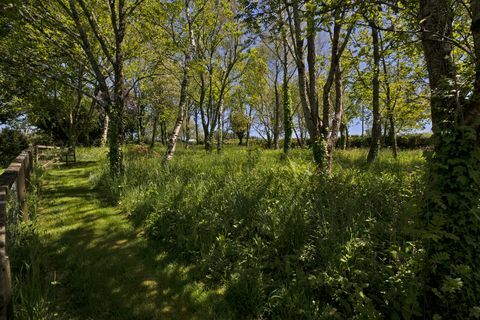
point(32, 286)
point(283, 241)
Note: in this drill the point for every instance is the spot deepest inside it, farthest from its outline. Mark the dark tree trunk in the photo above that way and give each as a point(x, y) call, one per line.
point(376, 125)
point(393, 136)
point(347, 137)
point(276, 125)
point(163, 132)
point(451, 201)
point(287, 101)
point(154, 131)
point(247, 142)
point(196, 127)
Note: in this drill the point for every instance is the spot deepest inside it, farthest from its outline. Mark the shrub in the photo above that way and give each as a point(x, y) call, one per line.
point(407, 141)
point(12, 142)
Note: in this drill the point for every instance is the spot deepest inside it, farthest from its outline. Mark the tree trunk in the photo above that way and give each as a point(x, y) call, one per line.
point(301, 70)
point(276, 125)
point(390, 109)
point(103, 140)
point(196, 127)
point(220, 127)
point(347, 137)
point(393, 136)
point(247, 139)
point(337, 120)
point(451, 201)
point(376, 125)
point(312, 70)
point(343, 140)
point(187, 127)
point(385, 129)
point(163, 132)
point(172, 141)
point(154, 131)
point(287, 100)
point(330, 132)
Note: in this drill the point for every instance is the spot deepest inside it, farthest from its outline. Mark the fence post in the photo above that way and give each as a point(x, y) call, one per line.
point(26, 164)
point(6, 305)
point(21, 190)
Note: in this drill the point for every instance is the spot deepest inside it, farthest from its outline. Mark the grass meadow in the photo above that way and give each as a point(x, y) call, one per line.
point(248, 234)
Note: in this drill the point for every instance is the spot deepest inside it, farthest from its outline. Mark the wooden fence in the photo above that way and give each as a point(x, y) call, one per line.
point(13, 206)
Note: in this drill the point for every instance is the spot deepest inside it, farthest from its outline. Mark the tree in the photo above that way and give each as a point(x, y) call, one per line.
point(101, 46)
point(188, 48)
point(240, 123)
point(451, 212)
point(334, 77)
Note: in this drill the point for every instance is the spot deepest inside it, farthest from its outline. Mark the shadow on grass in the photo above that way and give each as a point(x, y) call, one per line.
point(104, 268)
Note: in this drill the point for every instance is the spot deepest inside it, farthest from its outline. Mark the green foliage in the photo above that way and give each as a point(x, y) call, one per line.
point(405, 141)
point(12, 142)
point(450, 224)
point(240, 124)
point(32, 288)
point(285, 242)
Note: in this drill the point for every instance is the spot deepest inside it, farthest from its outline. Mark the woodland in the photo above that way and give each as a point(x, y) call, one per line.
point(246, 159)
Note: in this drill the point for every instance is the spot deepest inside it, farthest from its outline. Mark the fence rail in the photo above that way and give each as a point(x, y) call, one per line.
point(13, 205)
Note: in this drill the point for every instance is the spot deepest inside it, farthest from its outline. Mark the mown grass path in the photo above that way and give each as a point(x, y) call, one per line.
point(103, 268)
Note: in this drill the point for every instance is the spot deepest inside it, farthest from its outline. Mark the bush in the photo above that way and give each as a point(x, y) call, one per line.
point(408, 141)
point(12, 143)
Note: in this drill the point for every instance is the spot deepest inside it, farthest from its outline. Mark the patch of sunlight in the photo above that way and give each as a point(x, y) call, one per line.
point(167, 309)
point(160, 257)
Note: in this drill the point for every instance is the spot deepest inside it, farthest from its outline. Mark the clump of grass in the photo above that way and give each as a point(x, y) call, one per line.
point(32, 288)
point(284, 241)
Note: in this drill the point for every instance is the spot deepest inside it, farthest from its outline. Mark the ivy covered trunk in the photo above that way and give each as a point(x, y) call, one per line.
point(115, 129)
point(115, 139)
point(451, 216)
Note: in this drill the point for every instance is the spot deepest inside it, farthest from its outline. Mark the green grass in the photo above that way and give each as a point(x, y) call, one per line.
point(99, 266)
point(244, 235)
point(284, 241)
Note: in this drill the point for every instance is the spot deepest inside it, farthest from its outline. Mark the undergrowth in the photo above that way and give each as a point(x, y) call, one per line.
point(284, 241)
point(32, 288)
